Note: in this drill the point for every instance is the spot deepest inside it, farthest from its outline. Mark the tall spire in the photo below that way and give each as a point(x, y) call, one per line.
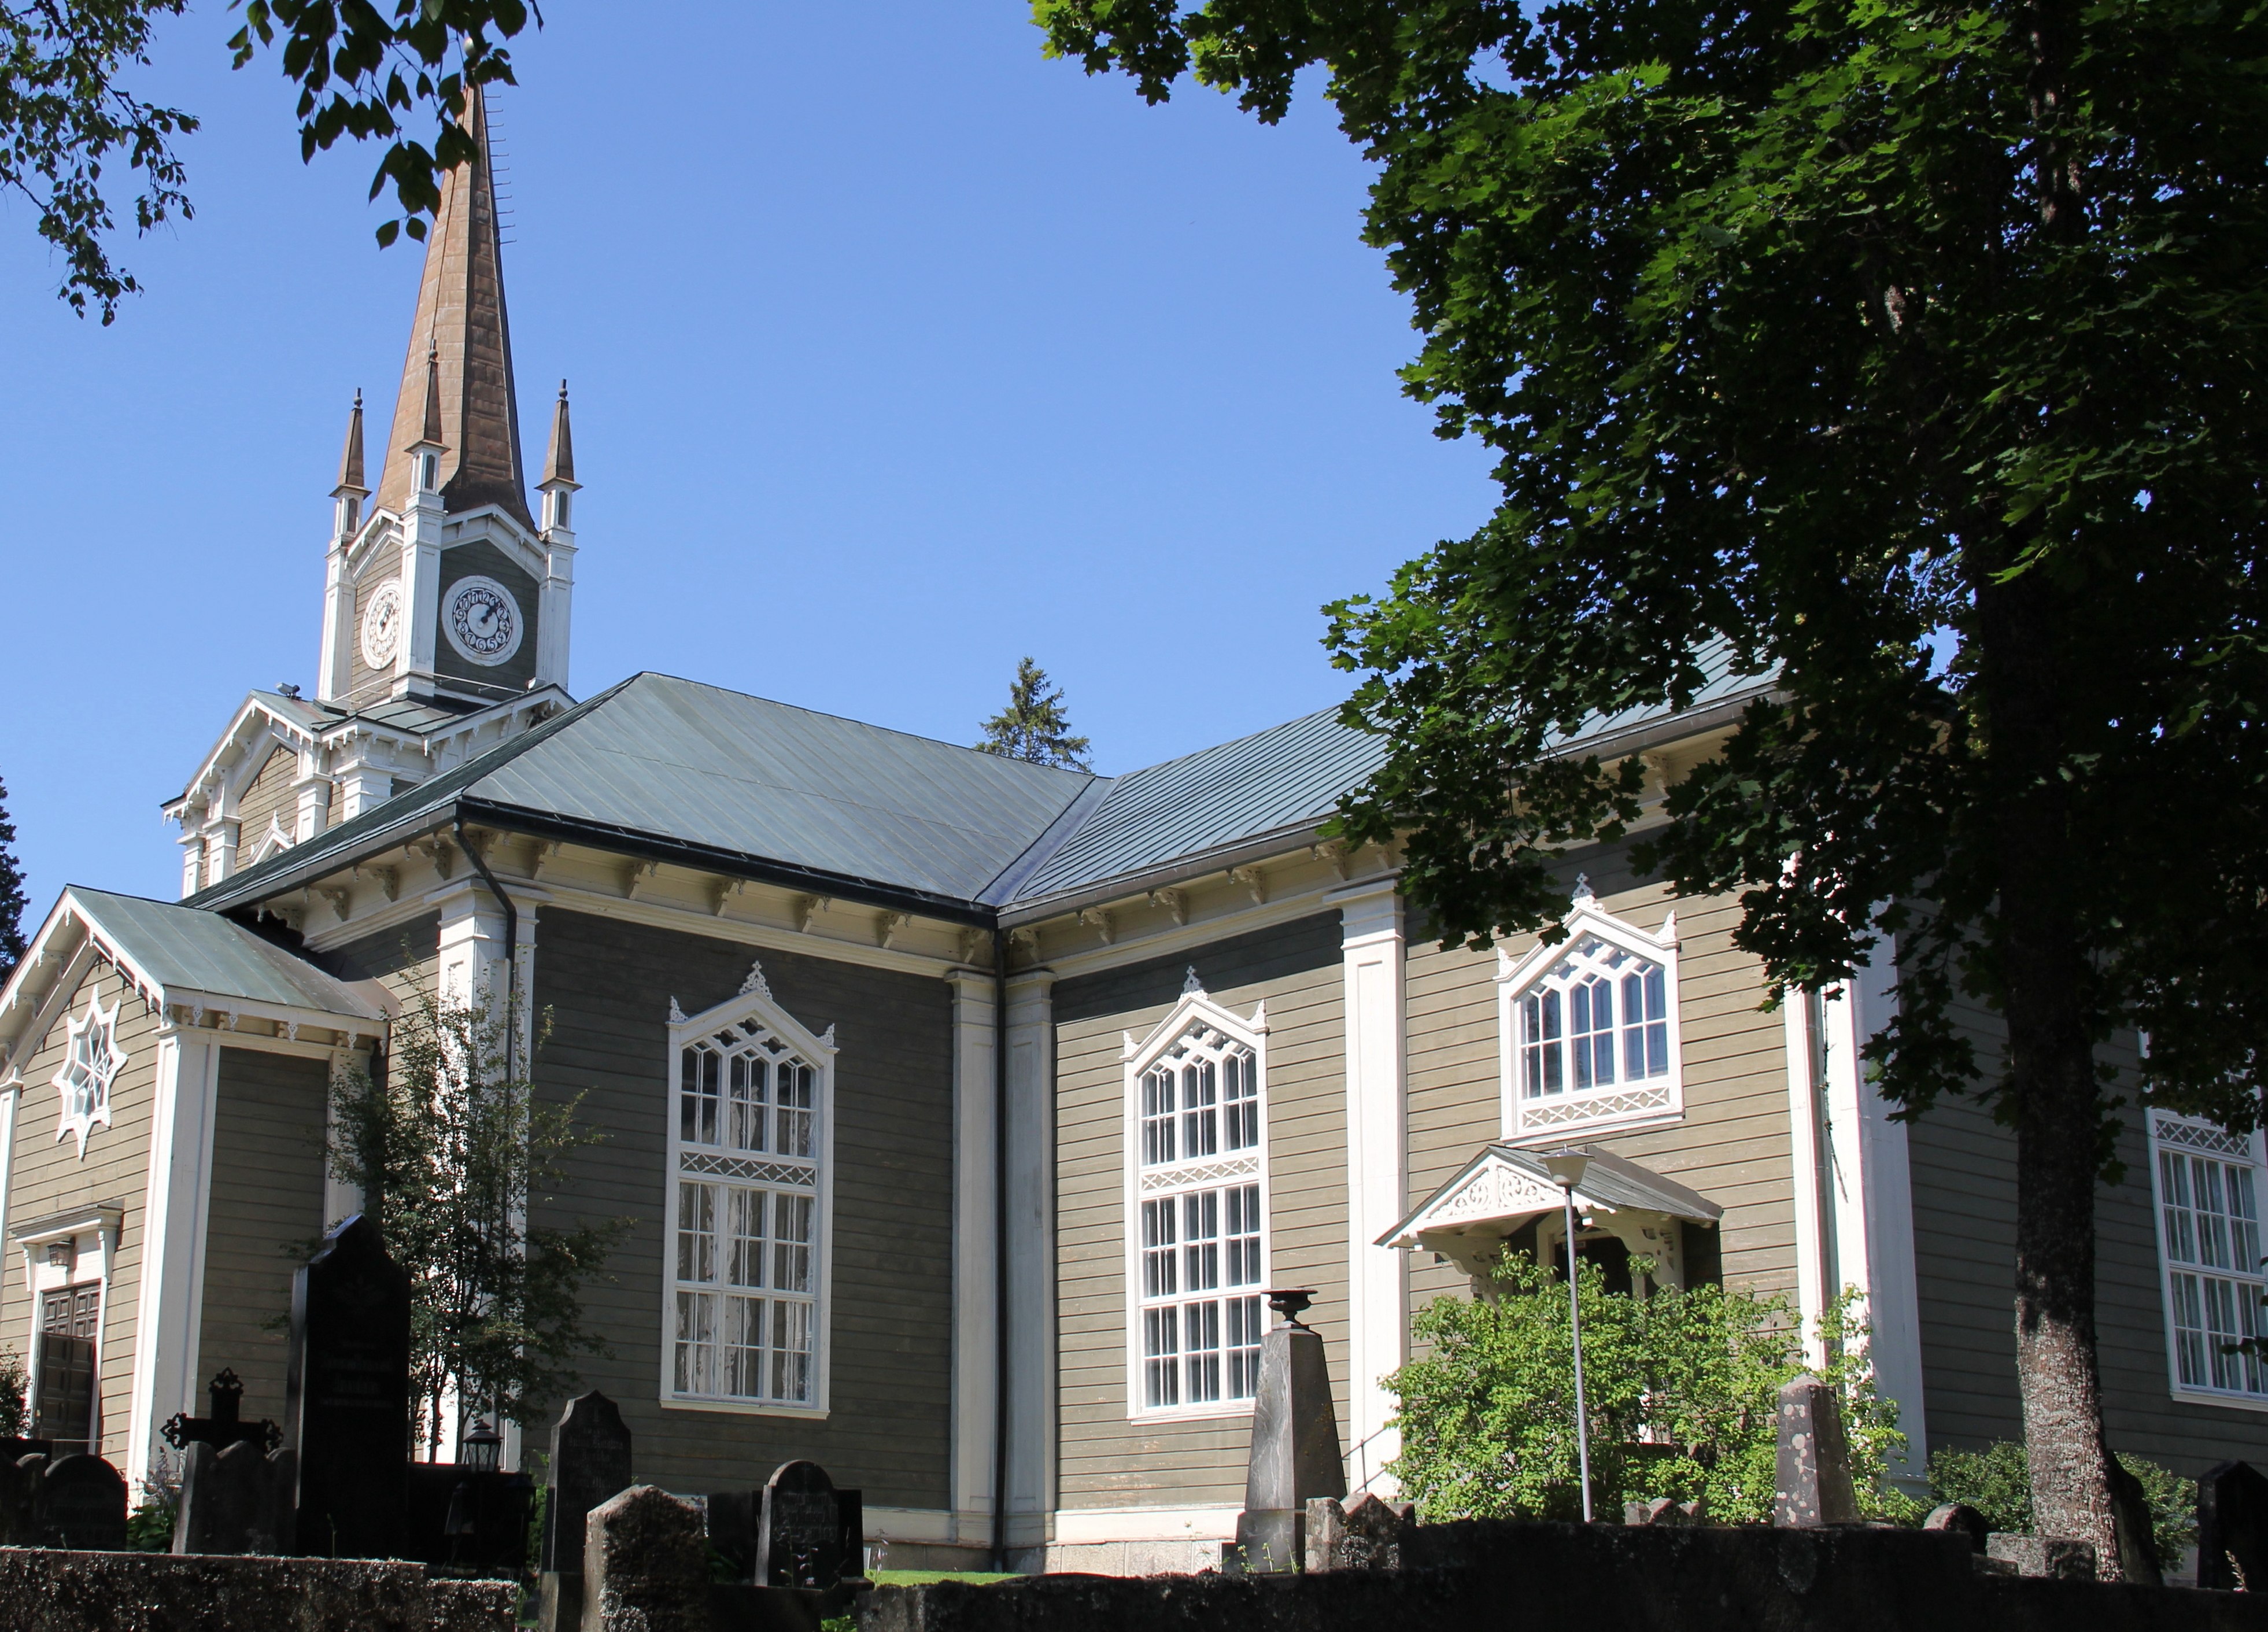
point(461, 318)
point(559, 465)
point(350, 461)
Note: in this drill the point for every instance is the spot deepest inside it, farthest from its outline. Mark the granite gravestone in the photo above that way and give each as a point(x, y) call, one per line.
point(347, 1405)
point(2232, 1527)
point(1295, 1444)
point(1812, 1483)
point(82, 1505)
point(235, 1498)
point(809, 1534)
point(19, 1499)
point(590, 1464)
point(645, 1564)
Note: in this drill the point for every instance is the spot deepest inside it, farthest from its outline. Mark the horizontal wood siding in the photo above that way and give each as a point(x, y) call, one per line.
point(265, 1212)
point(269, 796)
point(607, 987)
point(1964, 1191)
point(47, 1176)
point(404, 960)
point(1732, 1143)
point(1105, 1459)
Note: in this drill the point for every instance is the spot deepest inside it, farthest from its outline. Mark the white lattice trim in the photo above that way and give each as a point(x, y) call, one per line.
point(740, 1168)
point(1204, 1173)
point(2199, 1137)
point(1574, 1110)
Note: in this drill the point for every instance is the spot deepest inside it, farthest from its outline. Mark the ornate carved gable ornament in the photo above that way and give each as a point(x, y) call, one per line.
point(754, 1001)
point(1195, 1006)
point(1586, 916)
point(92, 1063)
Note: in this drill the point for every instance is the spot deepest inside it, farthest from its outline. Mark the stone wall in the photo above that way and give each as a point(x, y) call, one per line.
point(42, 1589)
point(1480, 1577)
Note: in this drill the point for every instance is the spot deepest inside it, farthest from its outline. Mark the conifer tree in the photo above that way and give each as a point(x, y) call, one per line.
point(11, 894)
point(1034, 726)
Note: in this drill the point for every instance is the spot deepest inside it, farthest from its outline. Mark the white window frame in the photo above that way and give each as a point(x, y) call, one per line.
point(704, 1164)
point(82, 1114)
point(2189, 1137)
point(1651, 1103)
point(1184, 1177)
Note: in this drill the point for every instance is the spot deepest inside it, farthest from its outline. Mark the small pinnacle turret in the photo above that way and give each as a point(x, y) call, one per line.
point(559, 464)
point(350, 461)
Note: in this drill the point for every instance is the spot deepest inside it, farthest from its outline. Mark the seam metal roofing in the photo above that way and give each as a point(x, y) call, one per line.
point(183, 949)
point(718, 775)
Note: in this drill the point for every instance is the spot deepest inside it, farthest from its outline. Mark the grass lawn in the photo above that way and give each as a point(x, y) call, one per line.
point(916, 1577)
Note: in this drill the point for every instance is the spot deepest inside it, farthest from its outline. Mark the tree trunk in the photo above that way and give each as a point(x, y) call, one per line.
point(2051, 1084)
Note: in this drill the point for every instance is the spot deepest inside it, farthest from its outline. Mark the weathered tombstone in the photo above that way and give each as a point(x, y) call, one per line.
point(347, 1405)
point(1963, 1521)
point(2131, 1529)
point(590, 1463)
point(235, 1498)
point(1366, 1533)
point(802, 1538)
point(82, 1505)
point(19, 1499)
point(2057, 1557)
point(645, 1564)
point(1812, 1486)
point(1660, 1512)
point(1295, 1444)
point(2232, 1527)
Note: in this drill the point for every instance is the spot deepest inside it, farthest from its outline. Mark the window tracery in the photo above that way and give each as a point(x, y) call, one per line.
point(1590, 1027)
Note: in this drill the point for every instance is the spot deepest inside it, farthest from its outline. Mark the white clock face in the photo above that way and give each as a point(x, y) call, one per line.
point(482, 619)
point(381, 625)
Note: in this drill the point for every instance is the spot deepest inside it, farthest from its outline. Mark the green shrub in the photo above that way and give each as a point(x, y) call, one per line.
point(1997, 1482)
point(150, 1528)
point(1680, 1399)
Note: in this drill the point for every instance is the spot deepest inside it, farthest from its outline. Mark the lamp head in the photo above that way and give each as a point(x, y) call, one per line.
point(482, 1450)
point(1566, 1167)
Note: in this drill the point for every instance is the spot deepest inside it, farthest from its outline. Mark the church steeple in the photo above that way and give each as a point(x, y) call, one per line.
point(350, 492)
point(461, 323)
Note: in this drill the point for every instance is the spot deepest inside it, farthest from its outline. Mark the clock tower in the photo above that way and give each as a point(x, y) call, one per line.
point(447, 592)
point(446, 601)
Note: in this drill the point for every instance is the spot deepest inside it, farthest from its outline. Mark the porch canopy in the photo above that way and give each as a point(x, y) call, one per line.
point(1505, 1188)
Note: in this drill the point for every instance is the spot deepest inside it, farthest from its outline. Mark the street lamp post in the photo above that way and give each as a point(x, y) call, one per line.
point(1567, 1170)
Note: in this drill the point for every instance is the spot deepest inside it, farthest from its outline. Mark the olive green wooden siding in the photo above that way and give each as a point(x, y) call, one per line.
point(265, 1209)
point(1732, 1143)
point(1964, 1194)
point(1106, 1460)
point(47, 1176)
point(404, 959)
point(609, 985)
point(269, 796)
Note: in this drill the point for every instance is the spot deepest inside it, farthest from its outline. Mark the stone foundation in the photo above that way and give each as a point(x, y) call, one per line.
point(44, 1589)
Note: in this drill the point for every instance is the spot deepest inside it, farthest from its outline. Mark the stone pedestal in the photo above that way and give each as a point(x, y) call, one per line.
point(1812, 1486)
point(1295, 1446)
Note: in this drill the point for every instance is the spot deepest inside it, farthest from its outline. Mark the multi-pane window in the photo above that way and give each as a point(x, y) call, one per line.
point(1199, 1222)
point(1598, 1017)
point(2208, 1189)
point(744, 1315)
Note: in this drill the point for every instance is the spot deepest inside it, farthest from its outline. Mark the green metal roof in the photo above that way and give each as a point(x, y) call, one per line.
point(181, 949)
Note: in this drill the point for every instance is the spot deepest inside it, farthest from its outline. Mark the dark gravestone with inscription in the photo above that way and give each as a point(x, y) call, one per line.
point(590, 1466)
point(809, 1534)
point(347, 1408)
point(235, 1498)
point(82, 1505)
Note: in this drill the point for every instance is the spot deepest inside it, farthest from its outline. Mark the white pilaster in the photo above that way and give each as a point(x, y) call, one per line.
point(976, 1262)
point(313, 793)
point(193, 860)
point(1378, 1285)
point(362, 786)
point(1854, 1190)
point(220, 851)
point(168, 1313)
point(1030, 1289)
point(555, 617)
point(335, 675)
point(419, 648)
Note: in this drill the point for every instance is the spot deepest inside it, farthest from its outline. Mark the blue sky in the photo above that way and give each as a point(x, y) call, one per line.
point(898, 351)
